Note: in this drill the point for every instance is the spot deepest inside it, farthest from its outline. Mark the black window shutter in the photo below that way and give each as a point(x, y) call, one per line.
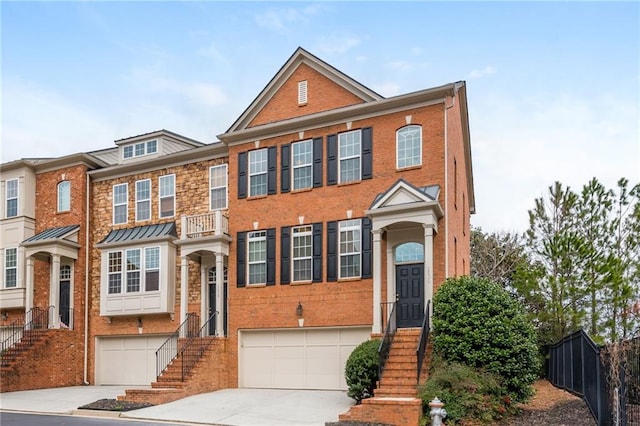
point(241, 252)
point(285, 174)
point(332, 160)
point(271, 170)
point(367, 252)
point(367, 153)
point(317, 252)
point(285, 255)
point(317, 162)
point(332, 251)
point(271, 256)
point(242, 175)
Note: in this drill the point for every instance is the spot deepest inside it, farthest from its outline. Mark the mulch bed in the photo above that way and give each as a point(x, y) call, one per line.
point(114, 405)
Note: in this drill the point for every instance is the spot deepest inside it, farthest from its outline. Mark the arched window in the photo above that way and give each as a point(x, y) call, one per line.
point(410, 253)
point(409, 146)
point(64, 196)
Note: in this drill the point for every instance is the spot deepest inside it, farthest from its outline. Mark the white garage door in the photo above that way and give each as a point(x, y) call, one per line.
point(297, 359)
point(127, 361)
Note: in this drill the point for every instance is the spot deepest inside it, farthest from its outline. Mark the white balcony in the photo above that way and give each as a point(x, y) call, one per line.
point(204, 225)
point(12, 298)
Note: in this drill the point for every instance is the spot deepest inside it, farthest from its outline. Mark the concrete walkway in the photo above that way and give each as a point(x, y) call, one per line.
point(234, 407)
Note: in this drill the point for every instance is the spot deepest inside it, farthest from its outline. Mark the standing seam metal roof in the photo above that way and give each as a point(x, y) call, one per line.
point(52, 233)
point(141, 233)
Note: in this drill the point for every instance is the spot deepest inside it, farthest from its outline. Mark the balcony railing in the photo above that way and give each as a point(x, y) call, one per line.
point(204, 225)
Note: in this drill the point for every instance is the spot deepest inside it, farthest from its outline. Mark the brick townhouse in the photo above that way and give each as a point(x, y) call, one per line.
point(323, 208)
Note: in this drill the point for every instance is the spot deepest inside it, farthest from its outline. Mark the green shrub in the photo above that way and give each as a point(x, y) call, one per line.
point(361, 370)
point(477, 323)
point(469, 395)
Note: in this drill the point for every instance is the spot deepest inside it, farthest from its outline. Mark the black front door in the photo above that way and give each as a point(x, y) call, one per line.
point(65, 299)
point(410, 289)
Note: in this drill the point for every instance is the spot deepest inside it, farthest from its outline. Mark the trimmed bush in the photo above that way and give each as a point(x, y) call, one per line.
point(470, 395)
point(477, 323)
point(361, 370)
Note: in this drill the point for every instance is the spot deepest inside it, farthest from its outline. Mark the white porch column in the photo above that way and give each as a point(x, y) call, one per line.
point(377, 280)
point(220, 302)
point(204, 294)
point(29, 285)
point(54, 292)
point(184, 284)
point(428, 264)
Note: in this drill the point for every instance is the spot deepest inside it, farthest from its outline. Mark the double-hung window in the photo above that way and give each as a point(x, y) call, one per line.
point(349, 151)
point(302, 253)
point(11, 197)
point(115, 272)
point(409, 146)
point(258, 172)
point(64, 196)
point(10, 267)
point(218, 187)
point(120, 203)
point(143, 200)
point(151, 268)
point(167, 195)
point(133, 270)
point(302, 160)
point(257, 254)
point(349, 245)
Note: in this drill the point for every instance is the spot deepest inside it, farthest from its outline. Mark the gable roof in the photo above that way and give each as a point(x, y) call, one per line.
point(402, 192)
point(301, 56)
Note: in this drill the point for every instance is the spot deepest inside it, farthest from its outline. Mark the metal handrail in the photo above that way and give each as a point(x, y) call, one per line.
point(193, 349)
point(168, 351)
point(385, 344)
point(28, 330)
point(424, 341)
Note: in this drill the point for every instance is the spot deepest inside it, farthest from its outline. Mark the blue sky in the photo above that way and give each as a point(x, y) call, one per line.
point(553, 87)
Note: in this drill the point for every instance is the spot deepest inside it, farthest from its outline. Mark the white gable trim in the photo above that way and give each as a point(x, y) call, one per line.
point(401, 193)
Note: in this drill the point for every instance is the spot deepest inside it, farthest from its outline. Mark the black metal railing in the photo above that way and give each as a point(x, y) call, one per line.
point(168, 351)
point(387, 340)
point(28, 329)
point(385, 307)
point(194, 347)
point(575, 364)
point(629, 392)
point(423, 341)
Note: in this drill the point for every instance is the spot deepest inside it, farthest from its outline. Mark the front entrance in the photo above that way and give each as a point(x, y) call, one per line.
point(410, 289)
point(212, 301)
point(65, 296)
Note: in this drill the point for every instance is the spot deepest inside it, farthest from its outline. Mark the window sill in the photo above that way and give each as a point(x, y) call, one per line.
point(344, 280)
point(353, 182)
point(256, 197)
point(298, 191)
point(257, 285)
point(294, 283)
point(404, 169)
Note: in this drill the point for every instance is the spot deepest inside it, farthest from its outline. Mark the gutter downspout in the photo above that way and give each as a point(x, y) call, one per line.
point(449, 103)
point(86, 287)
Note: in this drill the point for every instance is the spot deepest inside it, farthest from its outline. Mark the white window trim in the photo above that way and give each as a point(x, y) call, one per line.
point(6, 268)
point(142, 270)
point(354, 224)
point(126, 203)
point(162, 197)
point(116, 273)
point(398, 146)
point(133, 146)
point(253, 174)
point(294, 166)
point(68, 195)
point(225, 186)
point(359, 156)
point(305, 231)
point(256, 236)
point(7, 198)
point(138, 200)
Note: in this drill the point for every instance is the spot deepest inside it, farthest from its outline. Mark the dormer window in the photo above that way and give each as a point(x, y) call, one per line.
point(140, 149)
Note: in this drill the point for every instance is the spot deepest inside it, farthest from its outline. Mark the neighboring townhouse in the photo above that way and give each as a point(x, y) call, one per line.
point(325, 216)
point(43, 256)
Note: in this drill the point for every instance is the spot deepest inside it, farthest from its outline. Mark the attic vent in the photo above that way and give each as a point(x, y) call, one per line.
point(302, 92)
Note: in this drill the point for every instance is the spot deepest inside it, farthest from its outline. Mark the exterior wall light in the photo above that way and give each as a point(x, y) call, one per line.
point(299, 312)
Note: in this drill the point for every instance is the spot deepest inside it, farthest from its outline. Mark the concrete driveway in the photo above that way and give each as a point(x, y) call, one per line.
point(225, 407)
